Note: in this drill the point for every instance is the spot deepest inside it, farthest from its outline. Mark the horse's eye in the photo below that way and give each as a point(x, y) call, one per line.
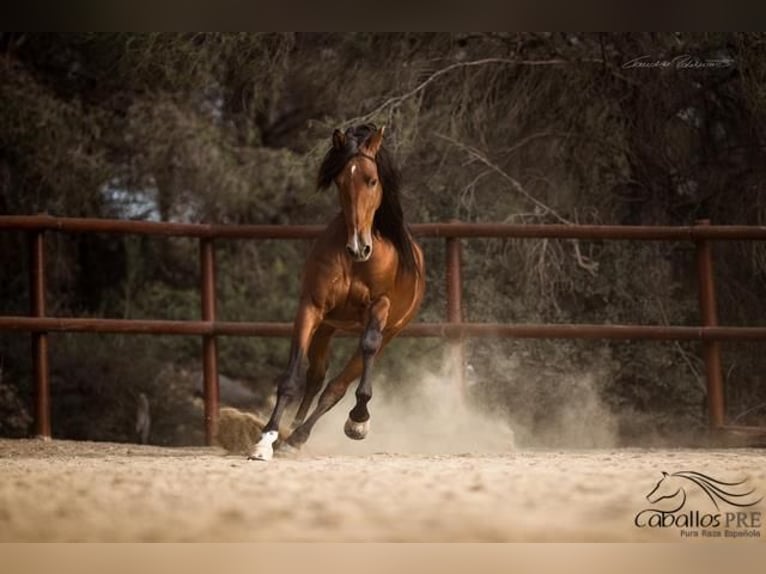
point(373, 182)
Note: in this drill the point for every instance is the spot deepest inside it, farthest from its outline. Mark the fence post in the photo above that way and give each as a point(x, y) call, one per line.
point(711, 349)
point(39, 339)
point(209, 345)
point(455, 310)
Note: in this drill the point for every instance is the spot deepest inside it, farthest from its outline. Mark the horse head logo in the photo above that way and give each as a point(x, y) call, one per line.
point(672, 488)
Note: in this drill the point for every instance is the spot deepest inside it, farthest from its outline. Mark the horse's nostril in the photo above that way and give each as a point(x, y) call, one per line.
point(351, 252)
point(366, 251)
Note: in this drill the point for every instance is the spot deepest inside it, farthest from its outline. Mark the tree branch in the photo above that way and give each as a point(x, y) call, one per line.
point(582, 261)
point(476, 154)
point(395, 101)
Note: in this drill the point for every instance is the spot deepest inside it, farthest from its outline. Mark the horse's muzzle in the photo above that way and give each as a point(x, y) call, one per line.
point(359, 251)
point(361, 255)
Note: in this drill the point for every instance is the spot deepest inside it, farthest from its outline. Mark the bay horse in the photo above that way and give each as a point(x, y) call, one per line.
point(365, 272)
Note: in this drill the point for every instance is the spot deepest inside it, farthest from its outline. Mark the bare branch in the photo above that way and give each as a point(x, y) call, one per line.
point(467, 194)
point(582, 261)
point(539, 135)
point(515, 184)
point(680, 349)
point(395, 101)
point(746, 412)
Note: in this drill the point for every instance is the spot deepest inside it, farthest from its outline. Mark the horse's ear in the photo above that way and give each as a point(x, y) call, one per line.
point(376, 140)
point(338, 139)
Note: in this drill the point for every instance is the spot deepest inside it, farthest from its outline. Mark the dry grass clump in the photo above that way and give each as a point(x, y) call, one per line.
point(238, 431)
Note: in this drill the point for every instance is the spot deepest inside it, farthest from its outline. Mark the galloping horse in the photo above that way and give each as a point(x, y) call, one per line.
point(364, 272)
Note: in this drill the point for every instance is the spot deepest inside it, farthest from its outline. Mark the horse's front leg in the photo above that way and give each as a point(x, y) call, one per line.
point(318, 356)
point(358, 423)
point(306, 323)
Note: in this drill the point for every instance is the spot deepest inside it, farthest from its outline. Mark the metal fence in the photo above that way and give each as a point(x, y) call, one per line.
point(453, 328)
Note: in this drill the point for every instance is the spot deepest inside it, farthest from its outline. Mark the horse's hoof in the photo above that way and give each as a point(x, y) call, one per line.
point(264, 450)
point(355, 430)
point(286, 450)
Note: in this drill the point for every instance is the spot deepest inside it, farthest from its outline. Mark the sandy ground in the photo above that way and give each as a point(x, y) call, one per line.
point(74, 491)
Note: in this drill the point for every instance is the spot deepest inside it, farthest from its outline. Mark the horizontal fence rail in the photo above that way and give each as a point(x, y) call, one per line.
point(460, 230)
point(454, 330)
point(501, 330)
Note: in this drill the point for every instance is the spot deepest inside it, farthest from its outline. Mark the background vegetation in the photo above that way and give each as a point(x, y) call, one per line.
point(537, 128)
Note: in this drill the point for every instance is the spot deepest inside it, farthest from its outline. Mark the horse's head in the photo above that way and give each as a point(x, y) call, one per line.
point(359, 186)
point(667, 487)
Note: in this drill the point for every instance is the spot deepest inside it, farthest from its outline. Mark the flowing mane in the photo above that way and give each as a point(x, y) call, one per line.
point(389, 218)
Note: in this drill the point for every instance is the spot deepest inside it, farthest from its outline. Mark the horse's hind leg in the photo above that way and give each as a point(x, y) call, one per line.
point(372, 342)
point(319, 354)
point(358, 424)
point(332, 393)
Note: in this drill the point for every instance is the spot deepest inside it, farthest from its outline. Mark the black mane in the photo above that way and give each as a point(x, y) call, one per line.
point(389, 218)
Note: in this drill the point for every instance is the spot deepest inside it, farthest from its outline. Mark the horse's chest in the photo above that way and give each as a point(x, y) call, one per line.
point(352, 300)
point(359, 294)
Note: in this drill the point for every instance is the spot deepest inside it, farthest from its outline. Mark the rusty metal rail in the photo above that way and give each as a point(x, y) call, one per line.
point(456, 229)
point(449, 330)
point(454, 329)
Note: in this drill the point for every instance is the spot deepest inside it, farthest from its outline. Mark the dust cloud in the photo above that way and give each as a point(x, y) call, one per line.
point(584, 421)
point(575, 417)
point(428, 415)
